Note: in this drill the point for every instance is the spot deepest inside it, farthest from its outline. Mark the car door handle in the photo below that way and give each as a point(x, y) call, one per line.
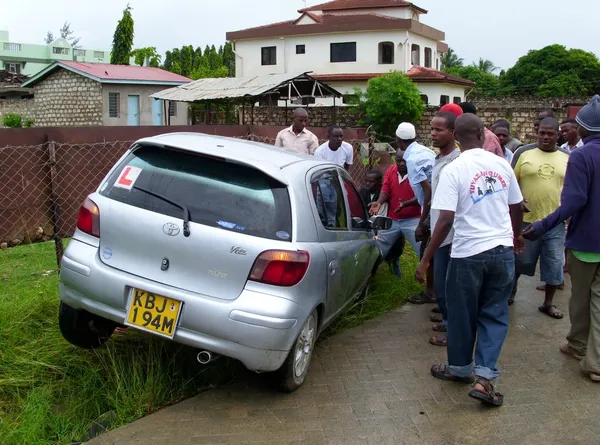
point(332, 268)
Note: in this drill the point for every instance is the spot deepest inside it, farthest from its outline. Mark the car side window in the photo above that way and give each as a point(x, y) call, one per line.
point(329, 199)
point(358, 212)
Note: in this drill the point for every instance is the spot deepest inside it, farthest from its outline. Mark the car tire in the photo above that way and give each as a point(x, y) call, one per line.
point(293, 372)
point(83, 329)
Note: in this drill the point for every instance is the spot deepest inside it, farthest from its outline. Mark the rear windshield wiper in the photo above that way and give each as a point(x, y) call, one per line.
point(186, 212)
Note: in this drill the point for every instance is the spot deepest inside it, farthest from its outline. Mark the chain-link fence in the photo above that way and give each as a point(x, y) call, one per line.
point(43, 186)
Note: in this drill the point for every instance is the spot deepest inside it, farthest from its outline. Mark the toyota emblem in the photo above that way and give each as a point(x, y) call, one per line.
point(171, 229)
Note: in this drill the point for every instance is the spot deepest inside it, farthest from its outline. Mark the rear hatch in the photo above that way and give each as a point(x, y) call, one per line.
point(236, 212)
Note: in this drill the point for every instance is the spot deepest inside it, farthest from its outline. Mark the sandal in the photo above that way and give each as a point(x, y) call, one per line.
point(489, 397)
point(568, 350)
point(436, 318)
point(436, 310)
point(439, 341)
point(551, 311)
point(593, 377)
point(421, 298)
point(440, 328)
point(443, 373)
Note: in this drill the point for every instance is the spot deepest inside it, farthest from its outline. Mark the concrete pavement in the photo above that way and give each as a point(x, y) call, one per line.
point(371, 386)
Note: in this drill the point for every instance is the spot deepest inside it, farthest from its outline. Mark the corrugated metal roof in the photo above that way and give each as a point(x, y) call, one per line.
point(230, 87)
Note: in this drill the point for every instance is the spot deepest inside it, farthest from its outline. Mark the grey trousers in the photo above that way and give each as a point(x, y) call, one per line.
point(584, 312)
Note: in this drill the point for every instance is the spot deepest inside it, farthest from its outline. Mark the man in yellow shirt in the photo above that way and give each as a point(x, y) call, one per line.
point(540, 170)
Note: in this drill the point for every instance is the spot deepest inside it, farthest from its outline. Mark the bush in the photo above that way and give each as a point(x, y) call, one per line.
point(29, 123)
point(12, 120)
point(389, 100)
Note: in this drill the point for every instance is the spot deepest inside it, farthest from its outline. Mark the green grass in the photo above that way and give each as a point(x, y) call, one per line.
point(52, 392)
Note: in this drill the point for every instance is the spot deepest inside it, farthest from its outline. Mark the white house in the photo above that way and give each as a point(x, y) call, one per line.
point(347, 42)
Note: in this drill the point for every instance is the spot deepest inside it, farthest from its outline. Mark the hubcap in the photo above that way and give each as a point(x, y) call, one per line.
point(304, 345)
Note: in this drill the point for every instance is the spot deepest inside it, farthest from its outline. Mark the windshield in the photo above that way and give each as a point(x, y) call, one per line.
point(216, 192)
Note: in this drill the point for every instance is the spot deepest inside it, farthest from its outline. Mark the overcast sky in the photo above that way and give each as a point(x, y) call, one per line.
point(500, 31)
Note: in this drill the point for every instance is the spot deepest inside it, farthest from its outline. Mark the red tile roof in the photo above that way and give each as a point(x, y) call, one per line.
point(416, 73)
point(107, 73)
point(341, 5)
point(331, 23)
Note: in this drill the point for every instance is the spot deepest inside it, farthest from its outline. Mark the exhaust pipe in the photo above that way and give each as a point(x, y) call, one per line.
point(205, 357)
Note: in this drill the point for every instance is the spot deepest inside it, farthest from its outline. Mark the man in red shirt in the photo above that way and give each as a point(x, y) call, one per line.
point(403, 209)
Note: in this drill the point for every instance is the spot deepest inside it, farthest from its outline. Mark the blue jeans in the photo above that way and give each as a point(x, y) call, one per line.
point(406, 227)
point(477, 293)
point(441, 261)
point(550, 251)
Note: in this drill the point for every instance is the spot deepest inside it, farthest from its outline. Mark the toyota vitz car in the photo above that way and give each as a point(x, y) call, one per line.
point(237, 248)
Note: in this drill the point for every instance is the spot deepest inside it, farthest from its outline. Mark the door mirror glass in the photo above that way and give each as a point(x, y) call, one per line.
point(381, 223)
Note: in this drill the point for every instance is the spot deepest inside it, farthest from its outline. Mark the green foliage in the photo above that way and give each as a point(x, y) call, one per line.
point(12, 120)
point(200, 64)
point(485, 65)
point(29, 123)
point(450, 60)
point(389, 99)
point(149, 53)
point(229, 58)
point(487, 84)
point(205, 73)
point(554, 71)
point(123, 39)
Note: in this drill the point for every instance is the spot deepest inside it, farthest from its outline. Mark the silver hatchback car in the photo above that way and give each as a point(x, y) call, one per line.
point(236, 248)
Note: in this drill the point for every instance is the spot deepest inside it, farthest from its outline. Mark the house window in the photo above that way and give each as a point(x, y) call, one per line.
point(444, 100)
point(99, 54)
point(428, 58)
point(79, 52)
point(172, 109)
point(63, 51)
point(425, 99)
point(12, 47)
point(300, 49)
point(268, 55)
point(14, 68)
point(343, 52)
point(386, 53)
point(457, 100)
point(304, 101)
point(114, 102)
point(415, 54)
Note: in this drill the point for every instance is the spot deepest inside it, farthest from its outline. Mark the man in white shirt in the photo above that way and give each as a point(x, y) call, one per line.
point(570, 133)
point(297, 137)
point(336, 150)
point(483, 203)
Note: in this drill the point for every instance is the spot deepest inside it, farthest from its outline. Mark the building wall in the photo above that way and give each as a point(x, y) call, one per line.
point(434, 92)
point(145, 104)
point(401, 13)
point(25, 107)
point(66, 99)
point(318, 53)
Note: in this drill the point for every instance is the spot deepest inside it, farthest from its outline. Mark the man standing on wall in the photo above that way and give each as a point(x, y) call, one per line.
point(579, 202)
point(487, 217)
point(442, 134)
point(297, 137)
point(336, 150)
point(541, 173)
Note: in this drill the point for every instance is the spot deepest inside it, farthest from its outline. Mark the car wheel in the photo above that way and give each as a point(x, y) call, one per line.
point(83, 329)
point(292, 373)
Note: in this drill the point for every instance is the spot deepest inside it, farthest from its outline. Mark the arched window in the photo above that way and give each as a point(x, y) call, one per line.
point(415, 54)
point(428, 58)
point(386, 53)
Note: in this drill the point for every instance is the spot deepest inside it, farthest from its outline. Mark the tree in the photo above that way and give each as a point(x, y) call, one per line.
point(554, 71)
point(485, 65)
point(187, 60)
point(486, 84)
point(66, 33)
point(123, 39)
point(450, 60)
point(388, 100)
point(149, 53)
point(229, 58)
point(49, 38)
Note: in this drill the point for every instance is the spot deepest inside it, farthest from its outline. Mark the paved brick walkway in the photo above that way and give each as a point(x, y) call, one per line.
point(371, 385)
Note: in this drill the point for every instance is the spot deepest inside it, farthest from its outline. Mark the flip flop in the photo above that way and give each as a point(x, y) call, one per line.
point(436, 310)
point(546, 310)
point(439, 341)
point(439, 328)
point(436, 318)
point(568, 350)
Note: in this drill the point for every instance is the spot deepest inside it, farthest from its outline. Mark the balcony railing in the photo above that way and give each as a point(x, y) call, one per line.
point(12, 47)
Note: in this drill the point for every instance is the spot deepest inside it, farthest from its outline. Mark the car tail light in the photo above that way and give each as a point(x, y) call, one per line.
point(280, 267)
point(88, 219)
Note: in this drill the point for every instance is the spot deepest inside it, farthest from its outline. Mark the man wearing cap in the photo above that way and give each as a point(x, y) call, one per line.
point(579, 201)
point(419, 163)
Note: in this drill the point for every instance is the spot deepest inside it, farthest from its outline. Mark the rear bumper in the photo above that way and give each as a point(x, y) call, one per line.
point(256, 328)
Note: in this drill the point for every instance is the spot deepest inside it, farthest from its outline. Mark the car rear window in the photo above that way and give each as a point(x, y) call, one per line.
point(217, 192)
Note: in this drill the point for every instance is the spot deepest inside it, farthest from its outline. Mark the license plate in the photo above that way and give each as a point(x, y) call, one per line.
point(153, 313)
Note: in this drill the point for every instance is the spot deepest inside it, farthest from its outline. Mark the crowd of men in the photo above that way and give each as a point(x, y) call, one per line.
point(482, 211)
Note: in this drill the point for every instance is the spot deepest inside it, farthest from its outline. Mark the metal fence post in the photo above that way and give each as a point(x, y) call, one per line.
point(55, 205)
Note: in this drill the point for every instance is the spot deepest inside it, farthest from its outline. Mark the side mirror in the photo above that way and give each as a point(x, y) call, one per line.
point(380, 223)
